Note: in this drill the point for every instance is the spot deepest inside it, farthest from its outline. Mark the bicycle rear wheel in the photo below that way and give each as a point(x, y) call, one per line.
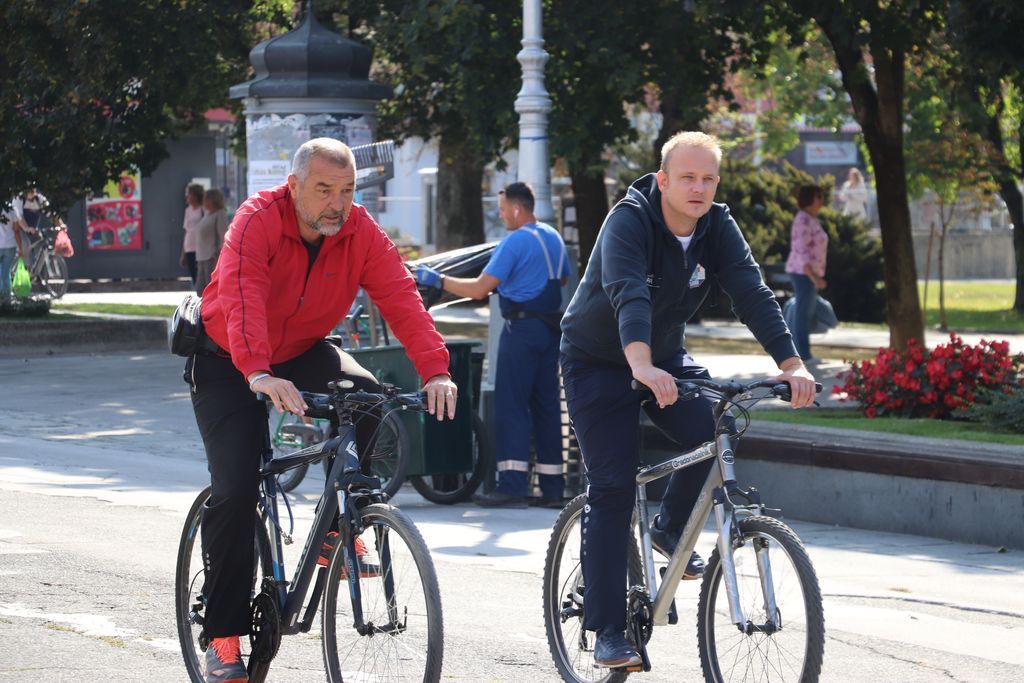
point(571, 646)
point(785, 646)
point(54, 275)
point(284, 443)
point(448, 489)
point(189, 588)
point(400, 602)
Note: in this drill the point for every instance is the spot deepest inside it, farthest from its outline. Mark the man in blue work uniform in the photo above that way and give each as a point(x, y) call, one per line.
point(648, 274)
point(528, 269)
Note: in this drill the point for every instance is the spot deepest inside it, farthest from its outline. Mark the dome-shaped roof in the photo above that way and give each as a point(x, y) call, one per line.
point(311, 61)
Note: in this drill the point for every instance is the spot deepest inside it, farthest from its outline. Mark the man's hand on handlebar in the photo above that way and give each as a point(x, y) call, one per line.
point(801, 383)
point(441, 395)
point(284, 395)
point(661, 384)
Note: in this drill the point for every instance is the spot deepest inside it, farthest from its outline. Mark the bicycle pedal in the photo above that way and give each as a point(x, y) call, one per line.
point(633, 669)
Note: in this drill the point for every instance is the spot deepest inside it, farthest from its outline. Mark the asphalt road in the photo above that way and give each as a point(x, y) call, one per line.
point(100, 460)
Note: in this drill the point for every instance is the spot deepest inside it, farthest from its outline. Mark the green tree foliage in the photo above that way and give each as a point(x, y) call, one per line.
point(763, 203)
point(798, 80)
point(452, 64)
point(870, 41)
point(89, 88)
point(692, 49)
point(596, 65)
point(986, 45)
point(944, 155)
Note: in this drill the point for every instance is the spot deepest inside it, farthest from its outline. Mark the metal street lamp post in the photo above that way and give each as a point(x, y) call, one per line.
point(532, 105)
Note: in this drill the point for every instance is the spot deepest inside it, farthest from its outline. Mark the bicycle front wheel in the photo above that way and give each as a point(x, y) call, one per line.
point(402, 637)
point(190, 587)
point(786, 645)
point(54, 275)
point(571, 646)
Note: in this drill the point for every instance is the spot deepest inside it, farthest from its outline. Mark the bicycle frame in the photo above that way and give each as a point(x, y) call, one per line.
point(335, 497)
point(713, 496)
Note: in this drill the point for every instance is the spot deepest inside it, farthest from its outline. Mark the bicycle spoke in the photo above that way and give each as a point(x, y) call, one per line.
point(770, 648)
point(401, 614)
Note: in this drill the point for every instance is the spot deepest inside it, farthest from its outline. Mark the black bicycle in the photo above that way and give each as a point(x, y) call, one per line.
point(381, 616)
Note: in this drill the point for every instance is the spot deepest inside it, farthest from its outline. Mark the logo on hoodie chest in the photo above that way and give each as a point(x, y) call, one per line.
point(698, 276)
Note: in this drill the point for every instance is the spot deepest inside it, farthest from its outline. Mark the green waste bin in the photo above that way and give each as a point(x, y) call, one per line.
point(436, 447)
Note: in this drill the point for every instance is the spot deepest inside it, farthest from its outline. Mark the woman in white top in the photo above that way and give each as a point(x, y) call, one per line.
point(209, 235)
point(193, 214)
point(854, 195)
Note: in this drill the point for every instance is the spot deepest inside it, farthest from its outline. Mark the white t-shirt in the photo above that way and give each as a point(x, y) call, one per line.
point(685, 241)
point(10, 215)
point(192, 217)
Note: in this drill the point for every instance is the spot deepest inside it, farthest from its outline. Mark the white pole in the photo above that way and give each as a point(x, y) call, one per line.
point(533, 105)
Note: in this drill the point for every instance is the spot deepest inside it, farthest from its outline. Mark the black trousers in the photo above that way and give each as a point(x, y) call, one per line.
point(605, 414)
point(232, 422)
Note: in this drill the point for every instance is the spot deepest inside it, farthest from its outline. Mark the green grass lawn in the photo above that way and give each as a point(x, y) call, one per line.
point(853, 419)
point(162, 311)
point(974, 306)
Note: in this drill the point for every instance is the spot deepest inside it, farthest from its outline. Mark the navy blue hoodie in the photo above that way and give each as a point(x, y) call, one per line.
point(641, 286)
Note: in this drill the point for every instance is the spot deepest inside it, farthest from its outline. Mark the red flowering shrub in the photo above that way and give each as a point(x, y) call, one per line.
point(936, 383)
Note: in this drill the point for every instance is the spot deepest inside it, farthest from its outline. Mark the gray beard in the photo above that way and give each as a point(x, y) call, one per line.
point(325, 230)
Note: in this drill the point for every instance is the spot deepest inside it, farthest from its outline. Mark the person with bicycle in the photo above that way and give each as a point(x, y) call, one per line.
point(12, 248)
point(292, 262)
point(528, 269)
point(648, 274)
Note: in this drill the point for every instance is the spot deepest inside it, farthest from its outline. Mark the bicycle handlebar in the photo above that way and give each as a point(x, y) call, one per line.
point(326, 405)
point(690, 388)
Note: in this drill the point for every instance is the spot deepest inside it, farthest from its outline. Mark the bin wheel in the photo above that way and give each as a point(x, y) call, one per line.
point(447, 489)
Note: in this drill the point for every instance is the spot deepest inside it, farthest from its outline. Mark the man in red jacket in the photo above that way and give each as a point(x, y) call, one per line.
point(292, 263)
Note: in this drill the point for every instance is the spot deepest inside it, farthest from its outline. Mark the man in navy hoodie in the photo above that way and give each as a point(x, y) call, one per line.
point(648, 274)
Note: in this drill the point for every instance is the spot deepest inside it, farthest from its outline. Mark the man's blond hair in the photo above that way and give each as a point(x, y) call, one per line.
point(690, 138)
point(335, 151)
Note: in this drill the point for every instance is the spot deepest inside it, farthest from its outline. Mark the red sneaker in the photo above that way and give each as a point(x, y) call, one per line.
point(367, 570)
point(224, 661)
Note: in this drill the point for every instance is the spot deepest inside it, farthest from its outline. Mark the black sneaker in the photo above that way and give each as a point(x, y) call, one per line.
point(497, 499)
point(665, 542)
point(612, 651)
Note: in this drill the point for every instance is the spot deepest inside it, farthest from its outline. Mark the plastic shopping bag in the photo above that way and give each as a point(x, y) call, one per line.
point(21, 282)
point(62, 245)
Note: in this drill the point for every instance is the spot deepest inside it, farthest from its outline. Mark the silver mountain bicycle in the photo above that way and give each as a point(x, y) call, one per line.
point(759, 616)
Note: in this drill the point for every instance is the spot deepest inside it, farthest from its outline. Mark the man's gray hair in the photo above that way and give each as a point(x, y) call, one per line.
point(332, 150)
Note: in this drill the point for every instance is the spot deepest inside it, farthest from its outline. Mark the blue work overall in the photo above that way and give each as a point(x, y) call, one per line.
point(526, 394)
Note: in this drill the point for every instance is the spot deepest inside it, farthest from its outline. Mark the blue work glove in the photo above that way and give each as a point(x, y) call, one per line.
point(428, 277)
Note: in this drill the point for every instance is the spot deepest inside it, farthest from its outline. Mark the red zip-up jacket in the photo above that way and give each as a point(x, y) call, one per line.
point(261, 306)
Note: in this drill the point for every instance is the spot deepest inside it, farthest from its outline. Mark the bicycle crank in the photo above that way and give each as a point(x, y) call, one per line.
point(640, 617)
point(265, 636)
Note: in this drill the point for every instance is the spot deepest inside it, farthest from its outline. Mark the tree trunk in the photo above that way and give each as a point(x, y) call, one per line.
point(879, 110)
point(591, 202)
point(1015, 205)
point(942, 279)
point(460, 209)
point(1009, 191)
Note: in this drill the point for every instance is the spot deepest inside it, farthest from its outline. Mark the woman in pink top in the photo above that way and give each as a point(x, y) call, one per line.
point(806, 263)
point(193, 214)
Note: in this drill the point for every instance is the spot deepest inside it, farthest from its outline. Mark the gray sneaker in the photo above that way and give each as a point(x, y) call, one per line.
point(665, 542)
point(224, 661)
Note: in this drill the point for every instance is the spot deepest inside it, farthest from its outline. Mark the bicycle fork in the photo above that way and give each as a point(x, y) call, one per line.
point(725, 520)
